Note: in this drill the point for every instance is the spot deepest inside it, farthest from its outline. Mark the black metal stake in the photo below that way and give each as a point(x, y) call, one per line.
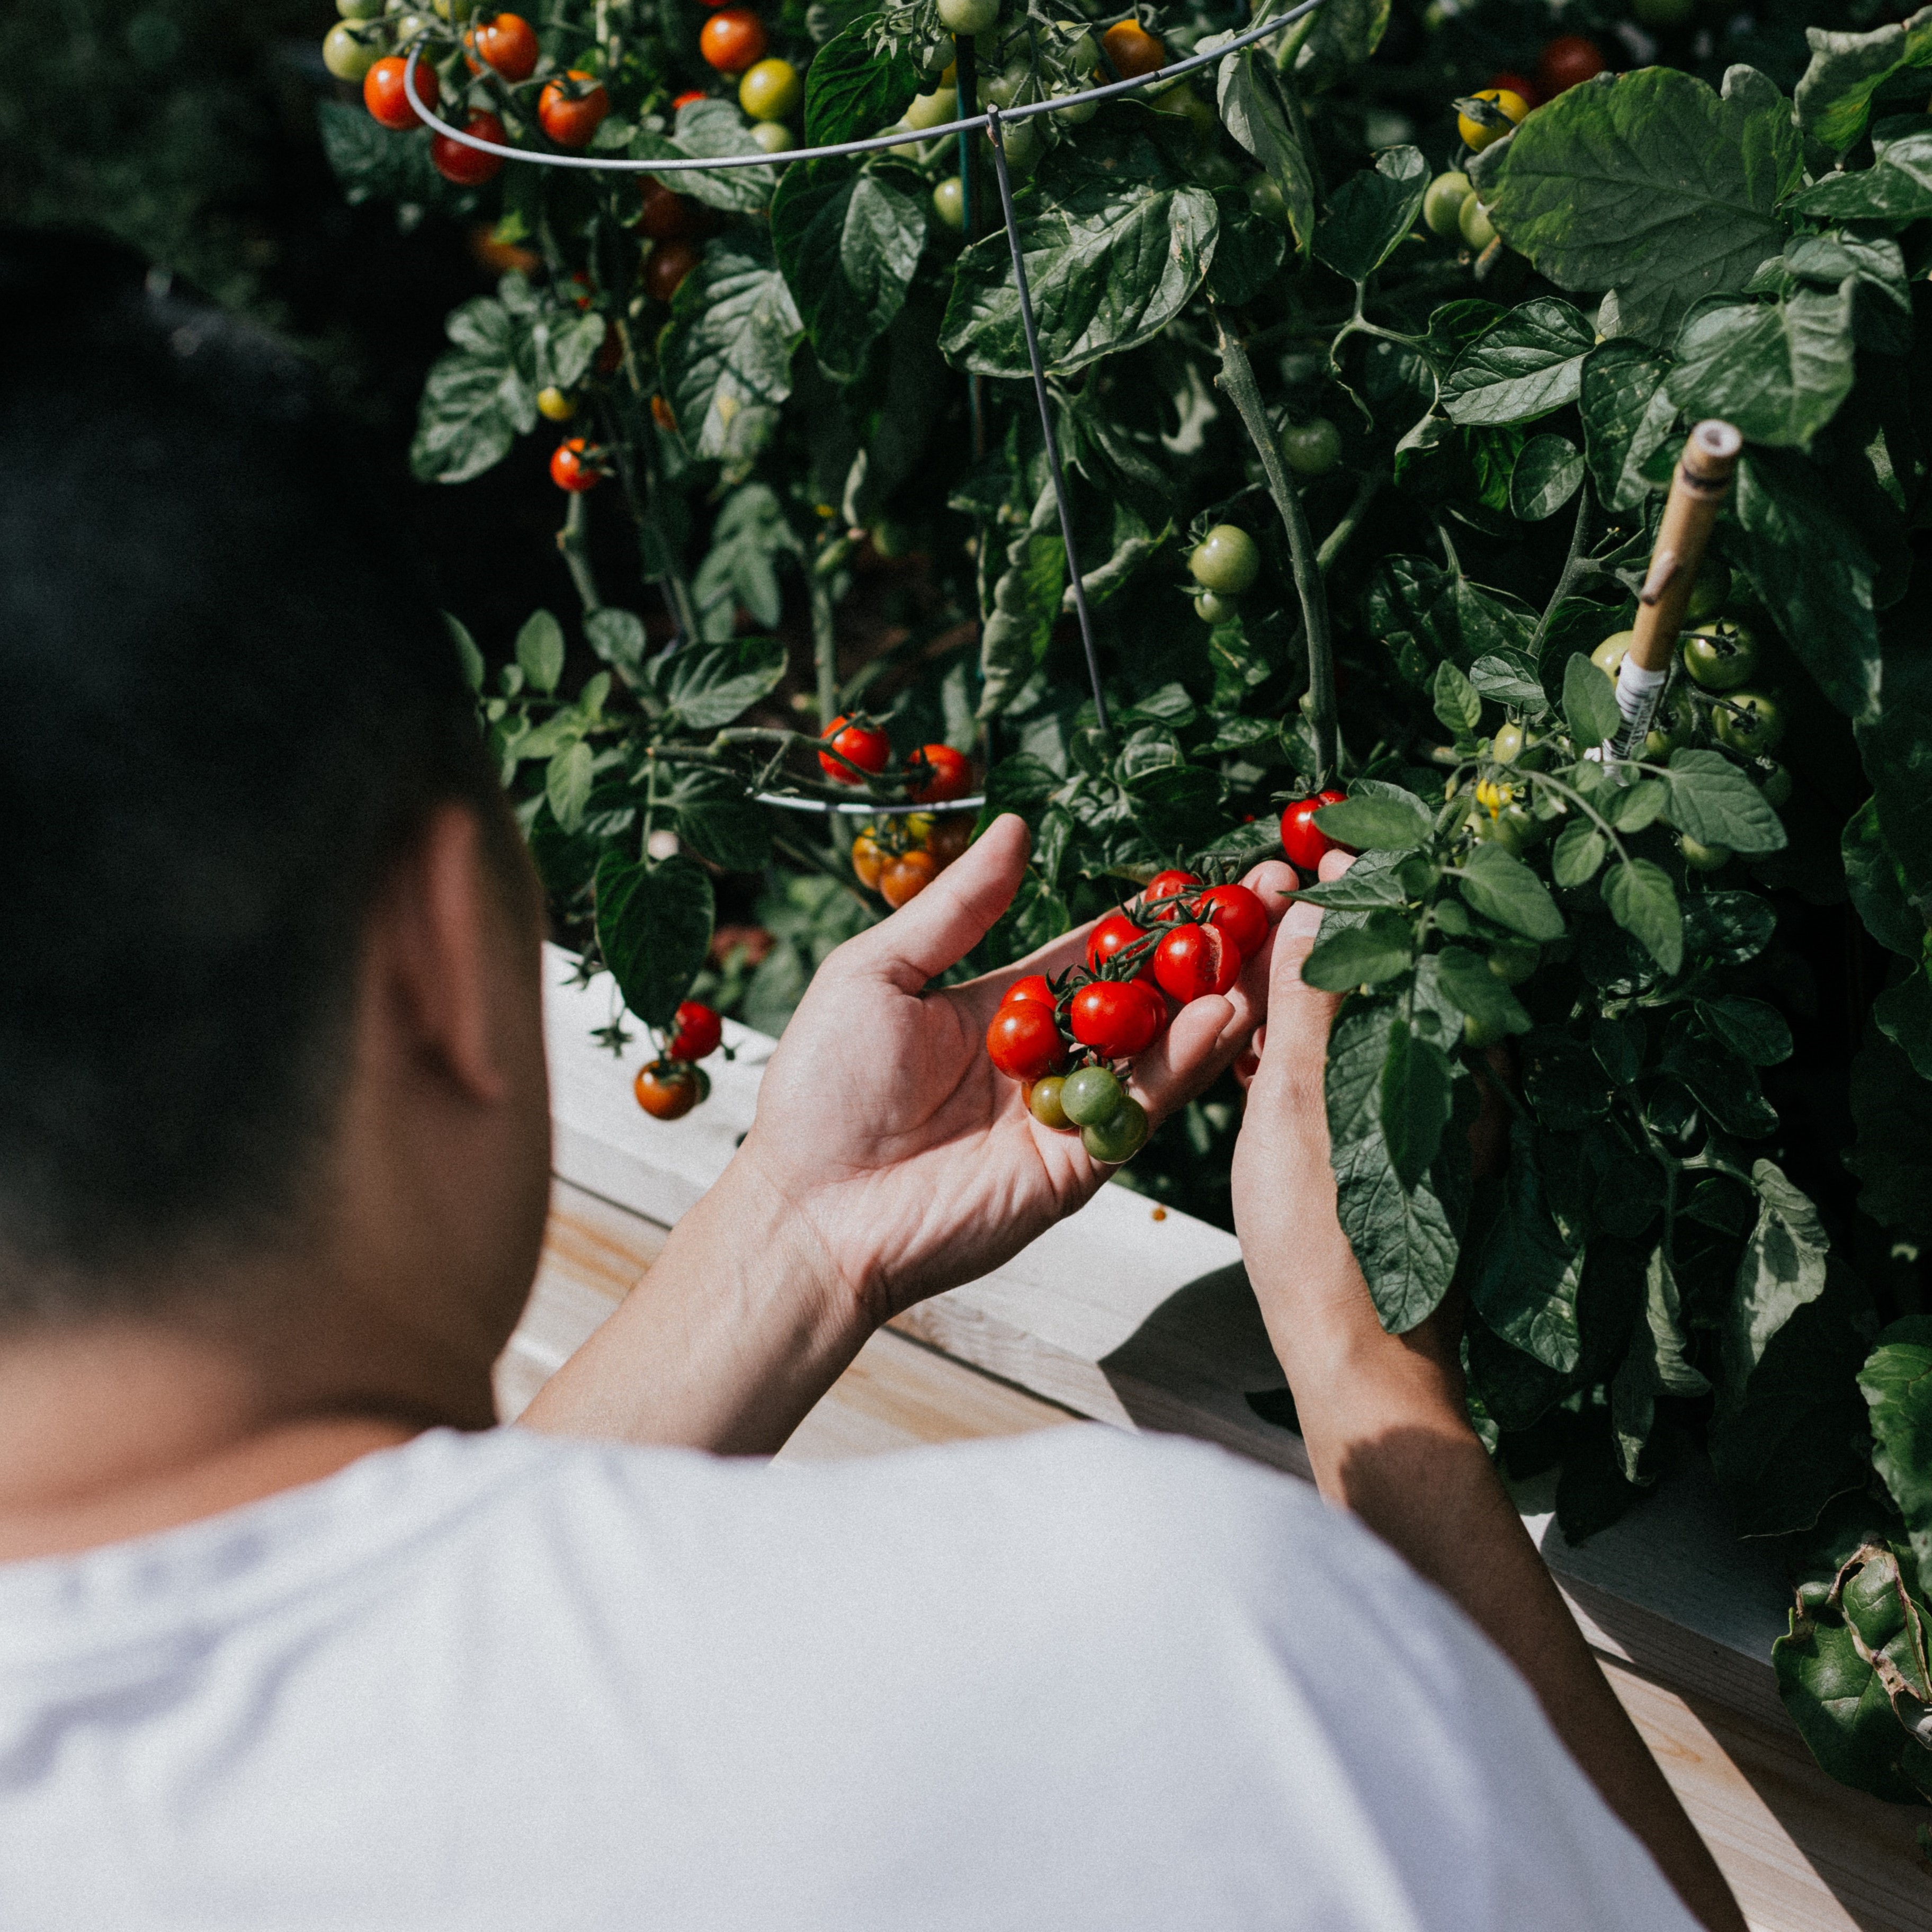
point(998, 140)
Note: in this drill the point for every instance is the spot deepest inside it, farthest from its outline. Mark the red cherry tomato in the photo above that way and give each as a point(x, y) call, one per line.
point(684, 99)
point(1115, 934)
point(1566, 61)
point(382, 92)
point(667, 1089)
point(866, 745)
point(573, 467)
point(1117, 1018)
point(1526, 90)
point(571, 108)
point(733, 39)
point(936, 772)
point(465, 166)
point(505, 41)
point(1302, 839)
point(1031, 991)
point(1238, 913)
point(1169, 886)
point(1194, 961)
point(699, 1032)
point(663, 273)
point(671, 217)
point(1024, 1041)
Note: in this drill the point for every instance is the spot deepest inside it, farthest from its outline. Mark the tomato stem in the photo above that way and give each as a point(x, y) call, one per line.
point(570, 540)
point(1238, 377)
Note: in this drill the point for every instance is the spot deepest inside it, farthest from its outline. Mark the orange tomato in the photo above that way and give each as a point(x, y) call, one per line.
point(733, 39)
point(1133, 49)
point(904, 877)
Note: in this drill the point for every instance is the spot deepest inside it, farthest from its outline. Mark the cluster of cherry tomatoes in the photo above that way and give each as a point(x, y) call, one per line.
point(899, 858)
point(670, 1086)
point(1449, 208)
point(1182, 940)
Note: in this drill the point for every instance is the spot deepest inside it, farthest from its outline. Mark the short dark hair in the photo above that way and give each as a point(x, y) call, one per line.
point(227, 704)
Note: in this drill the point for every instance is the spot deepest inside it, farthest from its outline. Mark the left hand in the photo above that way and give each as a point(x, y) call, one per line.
point(910, 1160)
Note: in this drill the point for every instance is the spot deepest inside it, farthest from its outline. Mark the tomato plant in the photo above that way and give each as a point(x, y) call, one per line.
point(1365, 456)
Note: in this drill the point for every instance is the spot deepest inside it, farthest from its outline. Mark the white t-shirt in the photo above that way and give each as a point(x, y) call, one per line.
point(1072, 1681)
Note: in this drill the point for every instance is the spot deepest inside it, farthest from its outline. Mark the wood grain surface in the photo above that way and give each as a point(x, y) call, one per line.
point(1802, 1853)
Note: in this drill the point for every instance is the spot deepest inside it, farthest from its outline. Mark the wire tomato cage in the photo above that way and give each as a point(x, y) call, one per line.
point(993, 120)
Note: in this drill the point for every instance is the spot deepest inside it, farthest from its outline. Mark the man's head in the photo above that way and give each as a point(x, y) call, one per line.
point(251, 849)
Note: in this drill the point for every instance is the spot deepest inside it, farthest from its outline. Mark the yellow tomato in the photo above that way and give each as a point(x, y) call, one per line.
point(770, 90)
point(1475, 136)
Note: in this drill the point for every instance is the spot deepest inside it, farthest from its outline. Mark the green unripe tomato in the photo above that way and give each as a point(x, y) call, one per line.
point(1475, 1033)
point(774, 136)
point(1506, 746)
point(1514, 829)
point(359, 9)
point(1226, 560)
point(1264, 198)
point(453, 10)
point(1710, 591)
point(1003, 89)
point(930, 110)
point(1774, 780)
point(1720, 655)
point(1749, 721)
point(1211, 609)
point(968, 17)
point(1090, 1095)
point(1513, 961)
point(772, 88)
point(349, 52)
point(1311, 448)
point(1669, 728)
point(1079, 114)
point(1026, 142)
point(948, 202)
point(1043, 1102)
point(1609, 656)
point(1442, 203)
point(1477, 229)
point(1700, 857)
point(1119, 1138)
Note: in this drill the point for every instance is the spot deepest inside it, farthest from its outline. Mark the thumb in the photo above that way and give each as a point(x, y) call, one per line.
point(938, 928)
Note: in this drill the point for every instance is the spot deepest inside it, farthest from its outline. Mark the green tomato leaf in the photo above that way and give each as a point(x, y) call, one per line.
point(851, 90)
point(1413, 1103)
point(727, 356)
point(1371, 823)
point(1895, 189)
point(1250, 250)
point(1610, 160)
point(1632, 809)
point(1896, 1382)
point(1380, 947)
point(1752, 1030)
point(567, 784)
point(1510, 677)
point(1465, 977)
point(717, 821)
point(654, 927)
point(1589, 702)
point(1457, 703)
point(1643, 900)
point(1528, 1275)
point(706, 128)
point(1321, 47)
point(478, 401)
point(1405, 1240)
point(1498, 886)
point(1781, 1269)
point(1834, 95)
point(1891, 1106)
point(1712, 801)
point(1578, 852)
point(467, 654)
point(848, 236)
point(1810, 562)
point(1372, 210)
point(562, 346)
point(540, 651)
point(1528, 363)
point(1114, 247)
point(1728, 928)
point(1360, 889)
point(1841, 1710)
point(1903, 1014)
point(1656, 1363)
point(1777, 370)
point(750, 536)
point(617, 637)
point(1549, 471)
point(1627, 415)
point(706, 685)
point(1251, 110)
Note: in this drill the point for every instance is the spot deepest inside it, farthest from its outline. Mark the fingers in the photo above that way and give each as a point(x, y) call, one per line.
point(945, 922)
point(1299, 1017)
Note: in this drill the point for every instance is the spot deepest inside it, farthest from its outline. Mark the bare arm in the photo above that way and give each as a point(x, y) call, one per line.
point(1387, 1430)
point(889, 1161)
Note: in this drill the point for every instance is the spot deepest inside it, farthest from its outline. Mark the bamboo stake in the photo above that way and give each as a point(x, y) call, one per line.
point(1697, 493)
